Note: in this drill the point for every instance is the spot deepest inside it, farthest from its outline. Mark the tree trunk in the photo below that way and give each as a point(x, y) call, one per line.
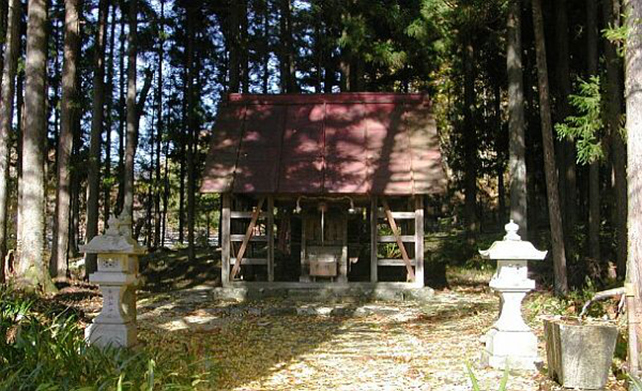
point(470, 142)
point(165, 194)
point(633, 94)
point(109, 120)
point(160, 130)
point(132, 112)
point(286, 55)
point(235, 45)
point(594, 168)
point(10, 64)
point(516, 121)
point(122, 128)
point(613, 112)
point(32, 269)
point(97, 118)
point(567, 159)
point(68, 115)
point(554, 213)
point(245, 60)
point(192, 132)
point(266, 44)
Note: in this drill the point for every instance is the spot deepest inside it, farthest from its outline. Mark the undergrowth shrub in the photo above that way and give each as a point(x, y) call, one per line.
point(46, 351)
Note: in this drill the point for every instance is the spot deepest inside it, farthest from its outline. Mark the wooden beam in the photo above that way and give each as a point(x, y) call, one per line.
point(393, 238)
point(243, 214)
point(395, 231)
point(246, 240)
point(250, 261)
point(419, 240)
point(374, 277)
point(394, 262)
point(257, 238)
point(399, 215)
point(270, 238)
point(225, 238)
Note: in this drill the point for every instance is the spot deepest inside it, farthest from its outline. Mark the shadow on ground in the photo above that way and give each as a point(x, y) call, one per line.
point(167, 270)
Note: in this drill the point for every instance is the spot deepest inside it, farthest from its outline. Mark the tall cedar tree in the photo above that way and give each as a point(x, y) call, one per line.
point(132, 112)
point(10, 64)
point(593, 237)
point(568, 187)
point(516, 121)
point(633, 93)
point(191, 127)
point(68, 118)
point(97, 122)
point(554, 212)
point(32, 269)
point(613, 110)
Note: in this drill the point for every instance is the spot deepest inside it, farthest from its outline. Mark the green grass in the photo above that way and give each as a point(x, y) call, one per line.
point(45, 350)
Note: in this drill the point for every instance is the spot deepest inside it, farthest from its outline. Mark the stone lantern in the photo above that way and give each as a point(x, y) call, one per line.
point(117, 277)
point(510, 342)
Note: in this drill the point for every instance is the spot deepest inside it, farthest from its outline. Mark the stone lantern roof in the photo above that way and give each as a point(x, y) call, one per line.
point(513, 247)
point(117, 239)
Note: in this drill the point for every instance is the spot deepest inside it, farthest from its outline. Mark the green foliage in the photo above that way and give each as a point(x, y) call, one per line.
point(585, 128)
point(47, 351)
point(636, 383)
point(475, 382)
point(617, 36)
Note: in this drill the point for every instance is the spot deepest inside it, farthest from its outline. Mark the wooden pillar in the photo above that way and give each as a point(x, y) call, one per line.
point(374, 277)
point(225, 240)
point(343, 262)
point(270, 238)
point(305, 267)
point(419, 241)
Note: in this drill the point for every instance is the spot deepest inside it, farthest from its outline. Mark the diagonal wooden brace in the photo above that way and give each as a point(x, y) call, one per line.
point(395, 232)
point(246, 239)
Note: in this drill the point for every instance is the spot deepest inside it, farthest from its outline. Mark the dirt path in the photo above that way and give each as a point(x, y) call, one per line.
point(285, 345)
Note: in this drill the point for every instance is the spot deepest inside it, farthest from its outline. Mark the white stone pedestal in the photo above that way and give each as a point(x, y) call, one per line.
point(510, 342)
point(117, 276)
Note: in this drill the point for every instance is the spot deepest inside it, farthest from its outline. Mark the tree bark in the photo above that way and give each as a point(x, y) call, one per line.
point(633, 94)
point(470, 142)
point(567, 158)
point(122, 115)
point(132, 112)
point(109, 119)
point(235, 45)
point(160, 130)
point(192, 132)
point(97, 119)
point(613, 112)
point(516, 121)
point(554, 213)
point(594, 167)
point(32, 269)
point(286, 54)
point(245, 60)
point(68, 116)
point(266, 44)
point(10, 64)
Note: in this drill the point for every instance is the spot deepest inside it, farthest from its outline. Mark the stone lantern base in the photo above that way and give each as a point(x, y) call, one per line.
point(115, 335)
point(512, 349)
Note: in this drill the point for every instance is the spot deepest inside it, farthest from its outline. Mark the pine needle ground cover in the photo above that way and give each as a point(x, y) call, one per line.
point(192, 340)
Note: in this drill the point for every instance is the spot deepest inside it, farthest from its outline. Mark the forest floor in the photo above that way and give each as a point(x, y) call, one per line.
point(286, 344)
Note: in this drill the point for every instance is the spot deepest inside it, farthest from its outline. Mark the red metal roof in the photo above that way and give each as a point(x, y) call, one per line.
point(348, 143)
